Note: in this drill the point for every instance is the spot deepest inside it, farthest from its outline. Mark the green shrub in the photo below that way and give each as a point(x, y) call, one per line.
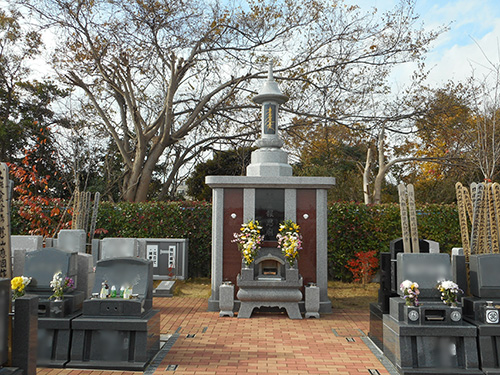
point(352, 227)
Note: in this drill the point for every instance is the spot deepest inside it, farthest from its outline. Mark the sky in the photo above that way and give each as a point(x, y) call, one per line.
point(474, 25)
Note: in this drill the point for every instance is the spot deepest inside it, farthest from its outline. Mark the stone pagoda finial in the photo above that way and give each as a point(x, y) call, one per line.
point(269, 159)
point(270, 96)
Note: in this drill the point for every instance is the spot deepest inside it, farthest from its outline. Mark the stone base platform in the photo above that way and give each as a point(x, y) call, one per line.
point(122, 343)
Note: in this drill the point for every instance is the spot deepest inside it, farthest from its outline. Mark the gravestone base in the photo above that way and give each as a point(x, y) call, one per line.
point(121, 343)
point(11, 371)
point(54, 340)
point(434, 348)
point(71, 303)
point(488, 334)
point(376, 333)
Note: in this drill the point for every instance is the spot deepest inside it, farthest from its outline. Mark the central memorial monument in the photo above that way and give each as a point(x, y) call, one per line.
point(270, 194)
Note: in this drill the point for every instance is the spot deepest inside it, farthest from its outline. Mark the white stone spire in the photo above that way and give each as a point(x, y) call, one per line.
point(269, 159)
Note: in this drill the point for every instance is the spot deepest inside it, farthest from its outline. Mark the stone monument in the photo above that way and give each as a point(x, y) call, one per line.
point(430, 338)
point(270, 194)
point(118, 329)
point(483, 308)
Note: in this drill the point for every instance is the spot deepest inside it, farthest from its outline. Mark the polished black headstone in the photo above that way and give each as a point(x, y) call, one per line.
point(24, 343)
point(485, 275)
point(118, 272)
point(424, 269)
point(396, 247)
point(4, 320)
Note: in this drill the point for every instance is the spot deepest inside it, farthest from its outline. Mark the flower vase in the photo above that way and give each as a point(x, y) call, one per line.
point(292, 274)
point(56, 307)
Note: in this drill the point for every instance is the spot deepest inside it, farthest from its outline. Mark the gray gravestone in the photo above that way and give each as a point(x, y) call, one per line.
point(118, 248)
point(72, 240)
point(42, 264)
point(424, 269)
point(20, 245)
point(28, 243)
point(85, 274)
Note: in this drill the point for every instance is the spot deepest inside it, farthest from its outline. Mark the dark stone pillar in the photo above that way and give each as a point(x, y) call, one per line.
point(25, 334)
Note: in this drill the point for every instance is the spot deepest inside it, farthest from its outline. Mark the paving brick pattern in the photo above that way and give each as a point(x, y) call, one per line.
point(264, 344)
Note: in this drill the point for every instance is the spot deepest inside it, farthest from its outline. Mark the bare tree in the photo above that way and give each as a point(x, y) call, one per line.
point(169, 79)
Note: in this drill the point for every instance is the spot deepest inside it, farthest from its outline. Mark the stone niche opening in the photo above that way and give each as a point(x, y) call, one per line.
point(269, 268)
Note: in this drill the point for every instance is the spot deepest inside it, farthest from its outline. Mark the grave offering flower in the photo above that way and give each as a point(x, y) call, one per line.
point(249, 240)
point(18, 284)
point(289, 240)
point(60, 285)
point(410, 292)
point(449, 292)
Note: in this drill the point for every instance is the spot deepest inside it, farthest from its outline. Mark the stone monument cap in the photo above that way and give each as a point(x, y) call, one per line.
point(270, 91)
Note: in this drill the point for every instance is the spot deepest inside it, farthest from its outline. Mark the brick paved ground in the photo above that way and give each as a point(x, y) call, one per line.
point(264, 344)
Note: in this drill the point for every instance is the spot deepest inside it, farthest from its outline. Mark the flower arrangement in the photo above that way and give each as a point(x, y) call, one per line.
point(249, 240)
point(18, 284)
point(289, 240)
point(410, 292)
point(60, 285)
point(449, 292)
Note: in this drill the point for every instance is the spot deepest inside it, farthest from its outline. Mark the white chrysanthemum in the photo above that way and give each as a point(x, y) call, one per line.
point(448, 284)
point(406, 284)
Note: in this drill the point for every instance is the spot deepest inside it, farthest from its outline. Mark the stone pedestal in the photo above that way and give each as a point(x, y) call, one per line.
point(118, 343)
point(24, 345)
point(226, 303)
point(54, 340)
point(282, 293)
point(312, 302)
point(376, 333)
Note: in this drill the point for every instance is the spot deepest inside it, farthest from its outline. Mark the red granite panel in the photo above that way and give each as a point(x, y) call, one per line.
point(233, 203)
point(306, 204)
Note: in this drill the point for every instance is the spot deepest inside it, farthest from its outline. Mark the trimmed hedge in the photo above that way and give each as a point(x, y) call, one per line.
point(352, 227)
point(356, 227)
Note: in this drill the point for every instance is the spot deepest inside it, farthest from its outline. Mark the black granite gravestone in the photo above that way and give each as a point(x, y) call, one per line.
point(483, 308)
point(430, 338)
point(118, 333)
point(54, 317)
point(24, 338)
point(389, 285)
point(23, 362)
point(4, 320)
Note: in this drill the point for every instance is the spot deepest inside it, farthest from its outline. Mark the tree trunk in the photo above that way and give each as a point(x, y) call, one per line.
point(366, 177)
